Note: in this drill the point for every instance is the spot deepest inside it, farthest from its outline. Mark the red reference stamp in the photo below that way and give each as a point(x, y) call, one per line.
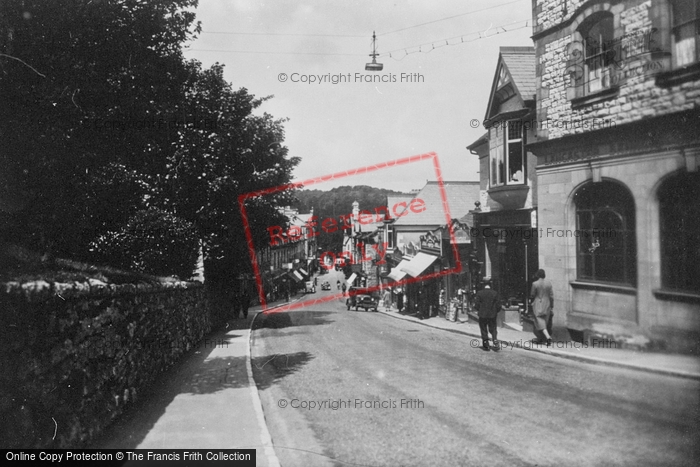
point(314, 226)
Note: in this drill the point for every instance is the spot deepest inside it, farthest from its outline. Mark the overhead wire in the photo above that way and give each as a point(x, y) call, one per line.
point(450, 17)
point(282, 34)
point(384, 54)
point(481, 35)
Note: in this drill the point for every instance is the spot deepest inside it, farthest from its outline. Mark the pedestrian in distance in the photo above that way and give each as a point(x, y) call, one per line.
point(488, 304)
point(236, 305)
point(338, 284)
point(387, 299)
point(542, 298)
point(344, 287)
point(399, 300)
point(245, 303)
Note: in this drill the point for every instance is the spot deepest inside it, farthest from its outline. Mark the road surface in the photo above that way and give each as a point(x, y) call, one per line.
point(345, 387)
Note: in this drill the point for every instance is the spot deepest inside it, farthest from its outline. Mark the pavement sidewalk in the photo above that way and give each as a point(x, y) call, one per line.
point(604, 352)
point(208, 401)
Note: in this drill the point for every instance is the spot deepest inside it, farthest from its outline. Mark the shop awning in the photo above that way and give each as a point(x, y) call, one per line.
point(418, 264)
point(296, 276)
point(351, 279)
point(397, 274)
point(303, 271)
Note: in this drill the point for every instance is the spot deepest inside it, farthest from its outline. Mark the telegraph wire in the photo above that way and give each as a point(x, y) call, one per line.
point(449, 17)
point(269, 53)
point(282, 34)
point(481, 35)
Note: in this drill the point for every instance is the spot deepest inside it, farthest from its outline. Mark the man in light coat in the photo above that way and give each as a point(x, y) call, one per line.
point(542, 297)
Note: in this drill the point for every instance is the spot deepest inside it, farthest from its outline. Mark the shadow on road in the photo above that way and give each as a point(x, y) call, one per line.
point(285, 319)
point(269, 369)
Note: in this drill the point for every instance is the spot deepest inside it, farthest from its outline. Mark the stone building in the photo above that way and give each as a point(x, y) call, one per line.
point(618, 149)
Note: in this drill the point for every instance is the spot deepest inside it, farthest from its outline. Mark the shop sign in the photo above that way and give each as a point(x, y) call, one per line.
point(431, 243)
point(461, 235)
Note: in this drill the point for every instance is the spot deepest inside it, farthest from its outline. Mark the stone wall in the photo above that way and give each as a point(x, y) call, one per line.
point(669, 324)
point(74, 356)
point(644, 54)
point(635, 131)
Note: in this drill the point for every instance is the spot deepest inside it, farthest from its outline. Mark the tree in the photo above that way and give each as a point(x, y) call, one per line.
point(226, 152)
point(153, 242)
point(84, 86)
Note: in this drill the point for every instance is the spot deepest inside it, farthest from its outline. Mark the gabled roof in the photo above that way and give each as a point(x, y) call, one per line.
point(515, 74)
point(460, 199)
point(393, 200)
point(520, 62)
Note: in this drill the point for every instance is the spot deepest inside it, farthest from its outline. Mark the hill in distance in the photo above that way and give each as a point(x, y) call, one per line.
point(337, 202)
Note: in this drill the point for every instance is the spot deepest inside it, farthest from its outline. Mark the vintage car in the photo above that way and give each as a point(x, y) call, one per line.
point(309, 287)
point(360, 298)
point(326, 285)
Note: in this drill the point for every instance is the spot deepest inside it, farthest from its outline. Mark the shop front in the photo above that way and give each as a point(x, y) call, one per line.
point(423, 294)
point(508, 240)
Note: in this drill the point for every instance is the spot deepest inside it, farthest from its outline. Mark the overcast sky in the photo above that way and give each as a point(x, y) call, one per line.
point(335, 127)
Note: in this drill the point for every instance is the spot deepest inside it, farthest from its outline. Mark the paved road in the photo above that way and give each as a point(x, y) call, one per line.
point(389, 392)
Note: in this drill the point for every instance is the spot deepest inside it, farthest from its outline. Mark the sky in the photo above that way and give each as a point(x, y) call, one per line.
point(439, 61)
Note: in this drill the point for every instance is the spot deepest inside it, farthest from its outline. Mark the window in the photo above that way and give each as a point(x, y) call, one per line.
point(679, 225)
point(497, 173)
point(606, 245)
point(686, 30)
point(508, 154)
point(514, 148)
point(598, 52)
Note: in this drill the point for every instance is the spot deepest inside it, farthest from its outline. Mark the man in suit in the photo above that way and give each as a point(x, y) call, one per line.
point(488, 304)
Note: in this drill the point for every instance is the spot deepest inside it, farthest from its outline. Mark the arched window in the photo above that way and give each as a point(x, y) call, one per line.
point(606, 242)
point(679, 223)
point(598, 51)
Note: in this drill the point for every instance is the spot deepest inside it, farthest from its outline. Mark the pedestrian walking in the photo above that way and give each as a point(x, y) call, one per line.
point(387, 299)
point(542, 299)
point(399, 300)
point(338, 284)
point(488, 304)
point(344, 287)
point(245, 303)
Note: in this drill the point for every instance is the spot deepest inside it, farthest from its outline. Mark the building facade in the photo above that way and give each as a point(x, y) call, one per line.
point(618, 150)
point(418, 235)
point(506, 218)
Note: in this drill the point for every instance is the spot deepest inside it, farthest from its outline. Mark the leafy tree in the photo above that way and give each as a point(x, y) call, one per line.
point(227, 152)
point(84, 85)
point(153, 242)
